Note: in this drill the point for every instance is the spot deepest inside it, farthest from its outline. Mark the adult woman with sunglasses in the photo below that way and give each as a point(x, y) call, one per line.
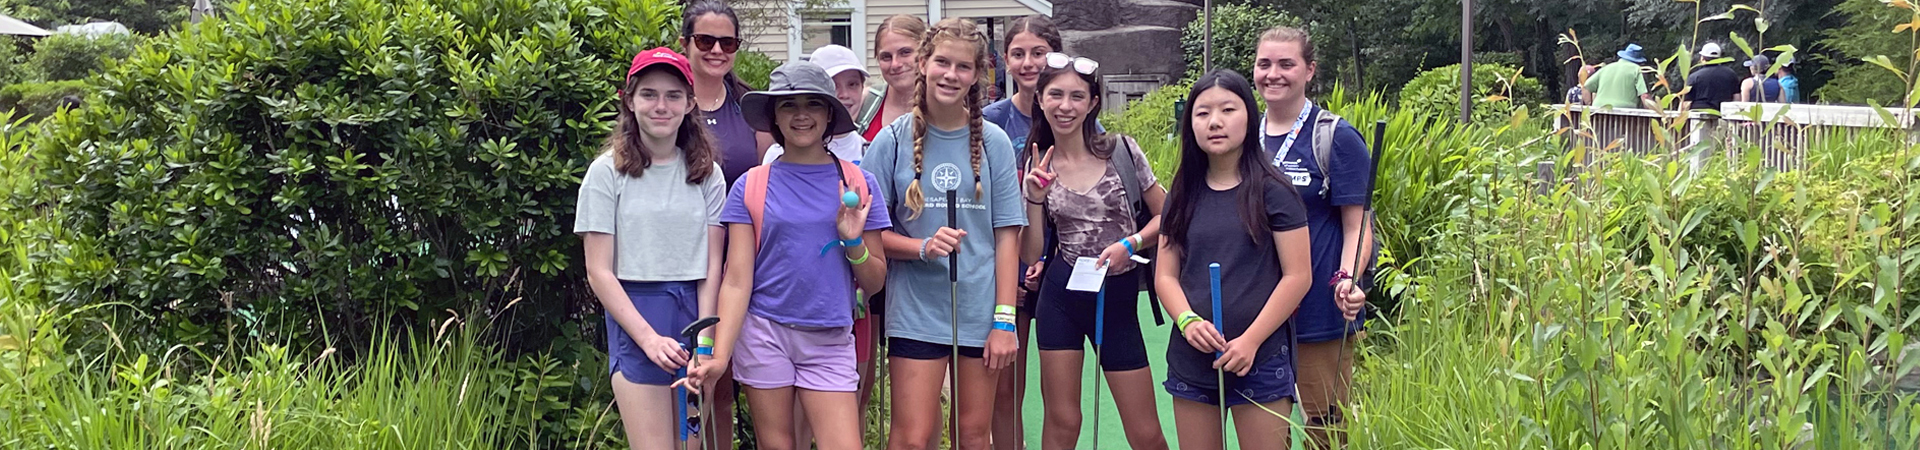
point(710, 34)
point(1077, 200)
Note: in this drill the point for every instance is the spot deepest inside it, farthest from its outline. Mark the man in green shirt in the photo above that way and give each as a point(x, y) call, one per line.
point(1619, 84)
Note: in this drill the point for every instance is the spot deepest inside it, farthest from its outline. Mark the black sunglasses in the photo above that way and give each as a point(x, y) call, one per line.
point(705, 42)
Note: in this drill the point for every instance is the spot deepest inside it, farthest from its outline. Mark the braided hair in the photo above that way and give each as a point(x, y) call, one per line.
point(947, 30)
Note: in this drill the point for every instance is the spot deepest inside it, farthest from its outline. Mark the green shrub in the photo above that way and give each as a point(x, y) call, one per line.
point(1236, 34)
point(1498, 91)
point(754, 68)
point(12, 67)
point(1151, 121)
point(65, 56)
point(300, 169)
point(41, 99)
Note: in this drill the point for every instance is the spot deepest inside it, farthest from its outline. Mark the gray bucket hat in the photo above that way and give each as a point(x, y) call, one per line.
point(791, 79)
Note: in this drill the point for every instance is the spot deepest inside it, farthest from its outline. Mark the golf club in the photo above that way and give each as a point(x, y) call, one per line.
point(1099, 332)
point(690, 419)
point(1219, 324)
point(953, 290)
point(1366, 232)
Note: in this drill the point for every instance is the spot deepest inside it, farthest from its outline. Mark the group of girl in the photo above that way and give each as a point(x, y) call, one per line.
point(796, 213)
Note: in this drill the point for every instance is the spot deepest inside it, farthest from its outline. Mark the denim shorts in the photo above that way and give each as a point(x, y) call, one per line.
point(668, 307)
point(1267, 381)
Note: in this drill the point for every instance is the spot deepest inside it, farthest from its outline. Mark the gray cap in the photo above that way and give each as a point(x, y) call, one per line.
point(791, 79)
point(1760, 62)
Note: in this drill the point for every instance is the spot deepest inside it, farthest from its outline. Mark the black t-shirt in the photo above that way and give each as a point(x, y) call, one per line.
point(1249, 271)
point(1712, 85)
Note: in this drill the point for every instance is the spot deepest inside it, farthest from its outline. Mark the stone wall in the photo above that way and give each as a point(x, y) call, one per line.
point(1137, 42)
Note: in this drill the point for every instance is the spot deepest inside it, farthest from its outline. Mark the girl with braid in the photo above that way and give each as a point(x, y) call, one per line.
point(944, 146)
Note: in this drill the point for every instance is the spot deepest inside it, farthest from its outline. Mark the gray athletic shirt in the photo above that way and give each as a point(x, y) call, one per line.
point(919, 304)
point(659, 222)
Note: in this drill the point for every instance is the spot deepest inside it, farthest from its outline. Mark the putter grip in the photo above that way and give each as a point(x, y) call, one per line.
point(953, 221)
point(1213, 281)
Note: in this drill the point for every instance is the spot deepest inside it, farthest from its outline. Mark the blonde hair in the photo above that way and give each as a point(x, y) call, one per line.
point(1294, 35)
point(947, 30)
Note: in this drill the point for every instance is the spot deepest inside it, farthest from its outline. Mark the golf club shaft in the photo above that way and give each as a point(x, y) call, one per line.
point(953, 292)
point(1219, 324)
point(1099, 336)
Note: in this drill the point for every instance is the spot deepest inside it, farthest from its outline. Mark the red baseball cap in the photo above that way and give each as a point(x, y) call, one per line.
point(662, 55)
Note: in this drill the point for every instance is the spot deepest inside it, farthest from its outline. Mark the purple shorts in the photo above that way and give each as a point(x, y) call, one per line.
point(668, 306)
point(772, 356)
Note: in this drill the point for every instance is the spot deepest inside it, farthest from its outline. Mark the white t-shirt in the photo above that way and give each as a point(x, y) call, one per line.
point(659, 222)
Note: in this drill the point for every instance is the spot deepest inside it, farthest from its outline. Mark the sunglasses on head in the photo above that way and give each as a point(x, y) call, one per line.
point(1061, 60)
point(705, 42)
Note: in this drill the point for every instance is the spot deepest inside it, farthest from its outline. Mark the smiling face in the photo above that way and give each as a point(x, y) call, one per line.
point(1066, 100)
point(660, 102)
point(950, 72)
point(712, 62)
point(802, 120)
point(1026, 55)
point(1219, 120)
point(1281, 71)
point(850, 86)
point(896, 60)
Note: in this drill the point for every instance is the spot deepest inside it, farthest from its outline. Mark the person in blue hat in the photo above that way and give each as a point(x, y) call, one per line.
point(1619, 84)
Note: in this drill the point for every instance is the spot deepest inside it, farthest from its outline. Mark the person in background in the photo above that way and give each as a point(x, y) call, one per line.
point(1760, 88)
point(894, 44)
point(710, 34)
point(1334, 193)
point(1577, 95)
point(1619, 84)
point(1711, 83)
point(1789, 84)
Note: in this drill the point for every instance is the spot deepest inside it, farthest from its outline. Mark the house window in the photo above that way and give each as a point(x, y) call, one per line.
point(823, 28)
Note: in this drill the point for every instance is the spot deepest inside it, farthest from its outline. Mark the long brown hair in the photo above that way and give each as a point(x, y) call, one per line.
point(1101, 145)
point(958, 30)
point(629, 149)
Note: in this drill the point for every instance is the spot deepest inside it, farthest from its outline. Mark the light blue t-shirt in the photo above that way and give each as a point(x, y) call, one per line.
point(918, 302)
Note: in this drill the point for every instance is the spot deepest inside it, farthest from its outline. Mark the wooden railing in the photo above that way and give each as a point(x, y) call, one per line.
point(1783, 133)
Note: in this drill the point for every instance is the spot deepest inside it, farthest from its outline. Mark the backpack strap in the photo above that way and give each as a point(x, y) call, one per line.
point(850, 174)
point(1325, 124)
point(1129, 171)
point(756, 196)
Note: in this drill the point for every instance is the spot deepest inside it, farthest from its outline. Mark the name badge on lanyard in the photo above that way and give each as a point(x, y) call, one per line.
point(1286, 145)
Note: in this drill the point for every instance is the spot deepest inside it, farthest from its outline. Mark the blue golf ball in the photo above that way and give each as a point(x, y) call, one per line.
point(852, 200)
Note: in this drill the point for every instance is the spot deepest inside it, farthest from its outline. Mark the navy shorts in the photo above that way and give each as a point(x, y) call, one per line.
point(668, 307)
point(1267, 381)
point(927, 351)
point(1064, 318)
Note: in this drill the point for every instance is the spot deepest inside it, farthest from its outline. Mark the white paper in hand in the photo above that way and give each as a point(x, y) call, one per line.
point(1088, 274)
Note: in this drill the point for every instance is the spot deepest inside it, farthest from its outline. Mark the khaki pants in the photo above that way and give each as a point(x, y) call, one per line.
point(1324, 371)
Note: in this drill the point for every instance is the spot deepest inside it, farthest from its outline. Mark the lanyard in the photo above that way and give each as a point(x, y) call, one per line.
point(1287, 144)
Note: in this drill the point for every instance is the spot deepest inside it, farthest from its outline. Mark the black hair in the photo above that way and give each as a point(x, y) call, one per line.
point(1191, 176)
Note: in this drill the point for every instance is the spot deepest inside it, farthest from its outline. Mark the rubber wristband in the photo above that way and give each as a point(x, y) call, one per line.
point(855, 242)
point(1128, 242)
point(1005, 309)
point(1005, 326)
point(864, 253)
point(1187, 318)
point(923, 248)
point(705, 341)
point(703, 351)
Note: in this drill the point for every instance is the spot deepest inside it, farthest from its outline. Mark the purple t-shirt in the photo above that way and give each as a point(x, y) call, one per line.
point(793, 284)
point(739, 149)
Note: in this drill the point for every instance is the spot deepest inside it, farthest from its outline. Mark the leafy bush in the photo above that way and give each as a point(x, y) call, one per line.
point(12, 67)
point(65, 56)
point(1236, 34)
point(1498, 91)
point(41, 99)
point(1865, 35)
point(754, 68)
point(300, 167)
point(1151, 121)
